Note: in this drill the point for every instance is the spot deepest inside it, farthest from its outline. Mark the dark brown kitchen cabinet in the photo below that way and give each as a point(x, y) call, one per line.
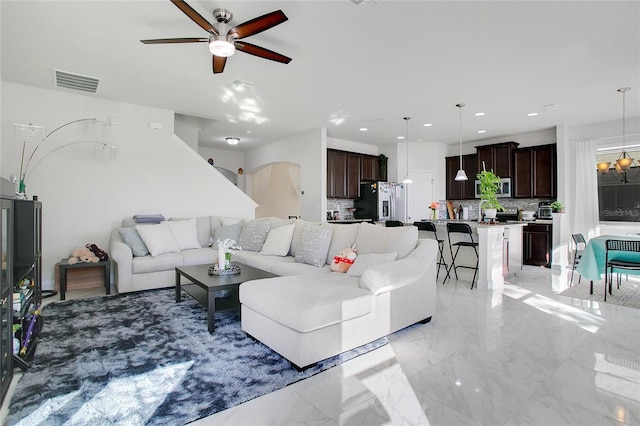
point(498, 157)
point(353, 176)
point(344, 173)
point(536, 241)
point(336, 174)
point(461, 190)
point(535, 172)
point(370, 169)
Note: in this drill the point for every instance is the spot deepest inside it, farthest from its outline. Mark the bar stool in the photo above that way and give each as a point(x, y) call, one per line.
point(393, 223)
point(461, 228)
point(431, 227)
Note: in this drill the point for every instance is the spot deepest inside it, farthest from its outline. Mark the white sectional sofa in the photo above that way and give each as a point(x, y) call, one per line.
point(308, 313)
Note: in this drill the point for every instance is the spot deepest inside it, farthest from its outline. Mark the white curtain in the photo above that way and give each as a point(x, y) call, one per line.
point(261, 179)
point(584, 214)
point(294, 174)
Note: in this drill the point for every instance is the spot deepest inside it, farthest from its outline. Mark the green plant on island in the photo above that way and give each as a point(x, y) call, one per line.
point(557, 206)
point(489, 185)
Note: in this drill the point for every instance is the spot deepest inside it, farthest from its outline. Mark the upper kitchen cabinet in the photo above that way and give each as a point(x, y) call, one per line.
point(343, 174)
point(535, 173)
point(498, 157)
point(370, 169)
point(461, 190)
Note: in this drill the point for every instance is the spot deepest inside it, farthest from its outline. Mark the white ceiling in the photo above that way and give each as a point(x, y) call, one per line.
point(353, 66)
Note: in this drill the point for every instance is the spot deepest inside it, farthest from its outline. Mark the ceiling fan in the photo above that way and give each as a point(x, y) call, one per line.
point(224, 41)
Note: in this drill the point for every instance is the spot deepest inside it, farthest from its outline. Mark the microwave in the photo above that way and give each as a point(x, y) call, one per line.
point(504, 189)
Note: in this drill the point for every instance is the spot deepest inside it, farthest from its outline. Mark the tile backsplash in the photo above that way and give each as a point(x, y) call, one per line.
point(340, 205)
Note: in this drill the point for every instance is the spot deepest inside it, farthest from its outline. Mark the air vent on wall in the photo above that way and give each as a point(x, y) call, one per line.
point(73, 81)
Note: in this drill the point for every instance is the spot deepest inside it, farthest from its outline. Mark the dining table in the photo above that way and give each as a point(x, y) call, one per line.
point(592, 263)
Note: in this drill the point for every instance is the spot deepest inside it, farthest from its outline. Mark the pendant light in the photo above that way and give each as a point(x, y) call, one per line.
point(407, 178)
point(624, 161)
point(461, 175)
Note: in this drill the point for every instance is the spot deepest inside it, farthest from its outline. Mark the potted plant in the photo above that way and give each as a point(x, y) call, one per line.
point(557, 207)
point(489, 185)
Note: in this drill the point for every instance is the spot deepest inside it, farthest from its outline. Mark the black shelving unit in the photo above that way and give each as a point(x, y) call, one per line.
point(27, 277)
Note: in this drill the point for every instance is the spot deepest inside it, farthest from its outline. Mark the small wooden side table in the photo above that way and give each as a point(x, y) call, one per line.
point(64, 266)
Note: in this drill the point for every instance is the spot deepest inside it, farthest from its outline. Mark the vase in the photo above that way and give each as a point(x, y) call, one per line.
point(434, 214)
point(227, 260)
point(490, 213)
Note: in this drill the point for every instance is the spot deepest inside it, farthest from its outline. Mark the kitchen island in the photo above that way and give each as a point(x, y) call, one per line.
point(499, 250)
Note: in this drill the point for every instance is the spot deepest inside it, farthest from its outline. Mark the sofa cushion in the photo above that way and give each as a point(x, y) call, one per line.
point(253, 234)
point(228, 232)
point(297, 234)
point(307, 303)
point(261, 261)
point(185, 233)
point(131, 238)
point(201, 256)
point(158, 238)
point(314, 244)
point(226, 221)
point(378, 239)
point(278, 240)
point(364, 261)
point(342, 235)
point(295, 268)
point(163, 262)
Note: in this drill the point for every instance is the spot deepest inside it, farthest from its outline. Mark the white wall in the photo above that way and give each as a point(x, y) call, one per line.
point(83, 199)
point(227, 159)
point(309, 150)
point(351, 146)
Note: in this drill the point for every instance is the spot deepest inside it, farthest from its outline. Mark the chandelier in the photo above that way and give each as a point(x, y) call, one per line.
point(624, 162)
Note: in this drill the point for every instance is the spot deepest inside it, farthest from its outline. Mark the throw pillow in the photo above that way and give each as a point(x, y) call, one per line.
point(253, 235)
point(131, 238)
point(314, 244)
point(364, 261)
point(185, 233)
point(158, 238)
point(278, 241)
point(231, 232)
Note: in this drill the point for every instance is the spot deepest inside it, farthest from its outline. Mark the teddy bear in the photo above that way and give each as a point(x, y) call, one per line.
point(83, 254)
point(343, 260)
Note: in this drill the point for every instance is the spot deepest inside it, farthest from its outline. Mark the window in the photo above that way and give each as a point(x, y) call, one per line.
point(619, 195)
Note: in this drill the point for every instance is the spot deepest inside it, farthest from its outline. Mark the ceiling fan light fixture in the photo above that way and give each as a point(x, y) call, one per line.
point(232, 141)
point(221, 45)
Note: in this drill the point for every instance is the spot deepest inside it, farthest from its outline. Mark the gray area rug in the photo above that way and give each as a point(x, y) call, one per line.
point(627, 295)
point(141, 358)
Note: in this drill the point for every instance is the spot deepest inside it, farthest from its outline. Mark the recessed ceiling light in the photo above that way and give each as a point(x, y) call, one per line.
point(427, 124)
point(479, 114)
point(363, 129)
point(400, 137)
point(482, 131)
point(532, 114)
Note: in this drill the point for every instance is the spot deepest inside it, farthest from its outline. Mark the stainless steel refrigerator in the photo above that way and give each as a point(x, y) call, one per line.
point(399, 202)
point(375, 201)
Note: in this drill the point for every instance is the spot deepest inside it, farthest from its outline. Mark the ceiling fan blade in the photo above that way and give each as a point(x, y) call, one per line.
point(195, 16)
point(175, 40)
point(218, 64)
point(257, 25)
point(252, 49)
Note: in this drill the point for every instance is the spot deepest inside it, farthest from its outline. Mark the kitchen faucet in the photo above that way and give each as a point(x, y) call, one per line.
point(480, 210)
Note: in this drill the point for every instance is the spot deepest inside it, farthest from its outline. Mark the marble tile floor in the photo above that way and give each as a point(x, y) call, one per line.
point(523, 356)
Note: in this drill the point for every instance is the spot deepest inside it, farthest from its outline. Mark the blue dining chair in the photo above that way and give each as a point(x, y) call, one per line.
point(610, 264)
